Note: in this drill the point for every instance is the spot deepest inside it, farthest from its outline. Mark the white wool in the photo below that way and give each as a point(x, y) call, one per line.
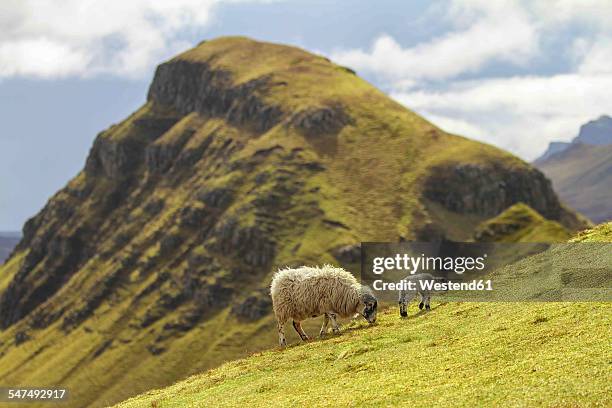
point(307, 291)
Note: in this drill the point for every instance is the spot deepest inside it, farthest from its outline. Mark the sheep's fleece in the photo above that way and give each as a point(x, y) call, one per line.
point(312, 291)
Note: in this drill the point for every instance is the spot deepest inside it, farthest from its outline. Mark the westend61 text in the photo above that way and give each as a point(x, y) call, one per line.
point(430, 285)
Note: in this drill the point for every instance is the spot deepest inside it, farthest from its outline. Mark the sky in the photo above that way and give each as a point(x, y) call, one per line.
point(516, 74)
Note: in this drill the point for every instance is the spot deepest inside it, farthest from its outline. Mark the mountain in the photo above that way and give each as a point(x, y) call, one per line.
point(582, 176)
point(581, 171)
point(154, 261)
point(8, 240)
point(596, 132)
point(553, 148)
point(458, 354)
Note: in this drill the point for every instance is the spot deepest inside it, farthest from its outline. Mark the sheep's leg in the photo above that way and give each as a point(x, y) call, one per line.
point(405, 298)
point(427, 300)
point(298, 328)
point(323, 331)
point(281, 333)
point(335, 327)
point(422, 300)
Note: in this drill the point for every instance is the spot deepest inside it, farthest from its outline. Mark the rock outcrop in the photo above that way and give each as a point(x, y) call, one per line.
point(488, 190)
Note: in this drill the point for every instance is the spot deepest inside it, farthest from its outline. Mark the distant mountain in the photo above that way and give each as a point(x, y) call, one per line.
point(596, 132)
point(8, 241)
point(553, 148)
point(581, 171)
point(582, 176)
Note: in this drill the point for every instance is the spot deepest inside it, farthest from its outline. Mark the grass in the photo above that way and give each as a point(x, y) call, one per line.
point(521, 223)
point(459, 354)
point(601, 233)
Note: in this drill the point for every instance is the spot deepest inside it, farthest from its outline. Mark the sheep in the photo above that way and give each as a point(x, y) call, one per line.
point(405, 295)
point(307, 292)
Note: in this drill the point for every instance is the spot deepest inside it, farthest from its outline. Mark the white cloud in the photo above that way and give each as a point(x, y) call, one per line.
point(597, 57)
point(40, 57)
point(521, 113)
point(46, 38)
point(592, 12)
point(490, 31)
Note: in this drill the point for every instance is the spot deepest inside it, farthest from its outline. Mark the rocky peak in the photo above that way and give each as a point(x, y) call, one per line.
point(596, 132)
point(190, 86)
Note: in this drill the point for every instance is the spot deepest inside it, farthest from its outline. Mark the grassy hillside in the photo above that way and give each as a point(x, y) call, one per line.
point(459, 354)
point(470, 354)
point(601, 233)
point(247, 156)
point(520, 223)
point(582, 176)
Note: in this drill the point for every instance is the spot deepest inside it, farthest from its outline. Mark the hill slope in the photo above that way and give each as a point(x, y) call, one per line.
point(520, 223)
point(246, 156)
point(582, 176)
point(459, 354)
point(503, 354)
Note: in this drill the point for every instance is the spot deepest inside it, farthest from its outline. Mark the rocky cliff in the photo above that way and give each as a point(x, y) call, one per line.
point(153, 262)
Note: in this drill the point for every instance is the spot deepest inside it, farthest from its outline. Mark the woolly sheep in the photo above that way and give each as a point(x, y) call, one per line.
point(306, 292)
point(405, 296)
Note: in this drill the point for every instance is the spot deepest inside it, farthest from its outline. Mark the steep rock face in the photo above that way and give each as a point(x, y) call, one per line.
point(196, 87)
point(246, 157)
point(321, 121)
point(488, 190)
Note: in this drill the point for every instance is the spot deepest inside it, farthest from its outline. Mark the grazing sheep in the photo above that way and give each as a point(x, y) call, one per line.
point(314, 291)
point(405, 296)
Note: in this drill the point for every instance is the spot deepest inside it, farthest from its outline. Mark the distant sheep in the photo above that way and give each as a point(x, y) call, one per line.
point(405, 296)
point(306, 292)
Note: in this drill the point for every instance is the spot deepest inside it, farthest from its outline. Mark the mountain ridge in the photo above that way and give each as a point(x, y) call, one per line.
point(581, 171)
point(596, 132)
point(582, 175)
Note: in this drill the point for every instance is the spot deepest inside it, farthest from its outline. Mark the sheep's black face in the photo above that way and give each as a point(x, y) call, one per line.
point(369, 311)
point(370, 304)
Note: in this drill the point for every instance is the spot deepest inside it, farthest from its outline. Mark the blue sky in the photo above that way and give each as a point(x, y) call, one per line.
point(513, 73)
